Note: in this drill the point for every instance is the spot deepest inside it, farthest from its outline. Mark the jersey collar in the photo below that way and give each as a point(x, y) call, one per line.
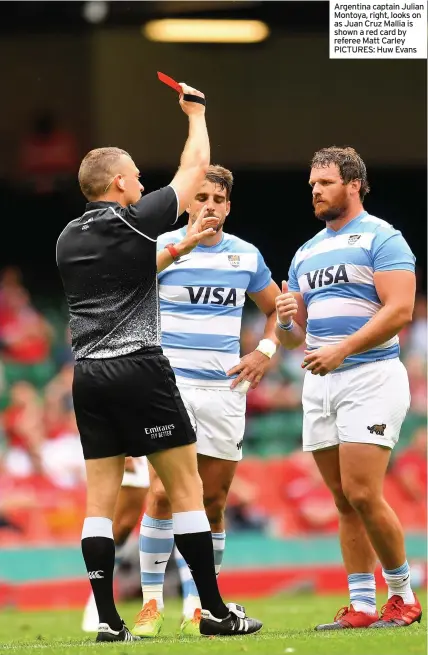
point(102, 204)
point(351, 224)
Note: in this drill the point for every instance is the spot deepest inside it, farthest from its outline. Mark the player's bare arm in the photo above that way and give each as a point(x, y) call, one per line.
point(195, 157)
point(396, 291)
point(201, 228)
point(253, 366)
point(291, 317)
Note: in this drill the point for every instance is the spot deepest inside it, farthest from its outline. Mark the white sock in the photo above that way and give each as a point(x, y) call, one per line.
point(219, 543)
point(97, 526)
point(362, 592)
point(156, 544)
point(190, 522)
point(398, 581)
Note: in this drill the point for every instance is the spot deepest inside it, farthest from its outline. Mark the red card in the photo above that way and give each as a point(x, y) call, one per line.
point(170, 82)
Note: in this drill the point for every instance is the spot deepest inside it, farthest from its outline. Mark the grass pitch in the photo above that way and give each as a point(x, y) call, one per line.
point(288, 629)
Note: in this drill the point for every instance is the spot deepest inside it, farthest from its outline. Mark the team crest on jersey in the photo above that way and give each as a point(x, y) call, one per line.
point(353, 239)
point(234, 260)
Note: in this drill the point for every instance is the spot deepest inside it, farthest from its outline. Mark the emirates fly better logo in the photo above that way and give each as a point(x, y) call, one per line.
point(160, 431)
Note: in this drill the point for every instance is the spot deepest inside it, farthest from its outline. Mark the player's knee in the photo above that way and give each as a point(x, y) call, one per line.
point(189, 486)
point(359, 497)
point(343, 505)
point(214, 507)
point(159, 502)
point(341, 501)
point(187, 494)
point(123, 526)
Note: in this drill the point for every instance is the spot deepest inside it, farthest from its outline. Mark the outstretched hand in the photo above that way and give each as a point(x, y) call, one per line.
point(203, 227)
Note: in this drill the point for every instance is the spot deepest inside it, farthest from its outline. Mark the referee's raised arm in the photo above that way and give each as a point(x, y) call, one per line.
point(195, 158)
point(155, 212)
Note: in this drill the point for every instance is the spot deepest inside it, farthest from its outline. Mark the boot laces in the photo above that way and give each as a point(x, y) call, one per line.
point(341, 613)
point(393, 609)
point(149, 612)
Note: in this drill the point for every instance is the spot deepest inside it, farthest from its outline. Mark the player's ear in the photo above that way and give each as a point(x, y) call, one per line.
point(228, 208)
point(356, 185)
point(120, 182)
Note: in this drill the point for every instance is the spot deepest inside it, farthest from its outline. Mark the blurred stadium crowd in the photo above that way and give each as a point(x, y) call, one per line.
point(277, 489)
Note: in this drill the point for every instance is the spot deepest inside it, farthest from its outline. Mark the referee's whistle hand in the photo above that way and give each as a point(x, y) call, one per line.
point(197, 230)
point(202, 222)
point(191, 108)
point(209, 221)
point(190, 241)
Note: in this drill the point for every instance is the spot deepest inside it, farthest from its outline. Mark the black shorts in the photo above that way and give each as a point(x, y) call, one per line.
point(129, 405)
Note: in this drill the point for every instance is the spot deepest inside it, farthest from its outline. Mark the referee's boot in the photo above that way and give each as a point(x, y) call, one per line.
point(105, 633)
point(235, 623)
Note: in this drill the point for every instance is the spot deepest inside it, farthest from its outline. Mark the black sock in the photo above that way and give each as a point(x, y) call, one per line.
point(197, 550)
point(98, 553)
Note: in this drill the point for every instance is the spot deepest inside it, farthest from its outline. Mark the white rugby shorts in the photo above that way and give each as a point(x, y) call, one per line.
point(138, 478)
point(218, 417)
point(365, 404)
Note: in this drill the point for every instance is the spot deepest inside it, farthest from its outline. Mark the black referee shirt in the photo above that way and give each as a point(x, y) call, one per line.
point(107, 262)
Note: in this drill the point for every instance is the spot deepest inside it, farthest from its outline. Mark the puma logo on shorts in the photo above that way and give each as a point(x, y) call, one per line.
point(377, 429)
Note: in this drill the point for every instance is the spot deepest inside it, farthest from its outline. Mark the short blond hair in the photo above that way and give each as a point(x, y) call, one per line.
point(96, 170)
point(221, 176)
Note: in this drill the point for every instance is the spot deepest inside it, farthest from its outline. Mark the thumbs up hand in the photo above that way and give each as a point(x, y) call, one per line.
point(286, 305)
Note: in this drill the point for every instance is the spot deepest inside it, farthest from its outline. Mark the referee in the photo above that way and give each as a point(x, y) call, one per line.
point(124, 391)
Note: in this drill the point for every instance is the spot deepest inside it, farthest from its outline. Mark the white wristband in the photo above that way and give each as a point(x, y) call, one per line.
point(267, 347)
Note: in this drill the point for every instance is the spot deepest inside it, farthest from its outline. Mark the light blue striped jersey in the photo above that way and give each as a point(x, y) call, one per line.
point(202, 296)
point(334, 273)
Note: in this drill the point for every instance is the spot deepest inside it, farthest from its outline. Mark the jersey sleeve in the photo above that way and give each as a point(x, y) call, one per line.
point(391, 252)
point(154, 212)
point(261, 278)
point(167, 237)
point(293, 283)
